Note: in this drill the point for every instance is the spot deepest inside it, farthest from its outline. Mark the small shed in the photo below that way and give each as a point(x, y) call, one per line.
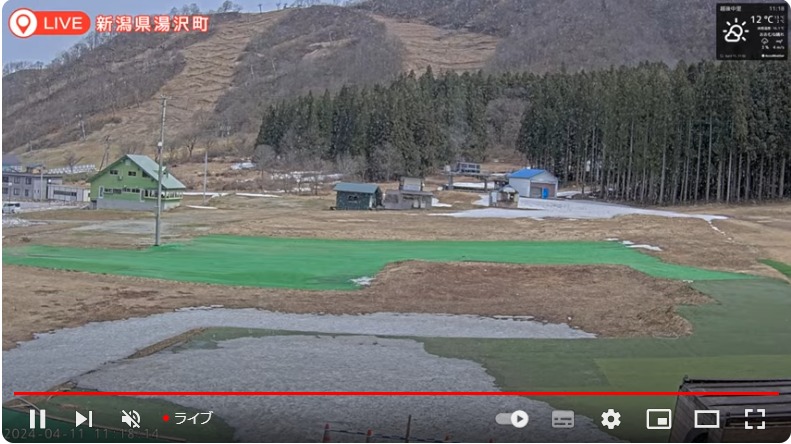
point(535, 183)
point(468, 167)
point(357, 196)
point(718, 418)
point(409, 196)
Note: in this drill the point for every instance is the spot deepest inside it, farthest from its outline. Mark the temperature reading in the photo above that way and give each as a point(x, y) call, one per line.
point(767, 19)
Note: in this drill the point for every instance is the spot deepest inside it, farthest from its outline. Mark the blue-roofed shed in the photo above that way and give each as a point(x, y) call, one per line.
point(536, 183)
point(357, 196)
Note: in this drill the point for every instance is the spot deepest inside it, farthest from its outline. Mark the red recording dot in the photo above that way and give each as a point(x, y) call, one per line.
point(165, 418)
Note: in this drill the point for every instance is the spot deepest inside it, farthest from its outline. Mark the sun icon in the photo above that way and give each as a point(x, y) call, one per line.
point(735, 31)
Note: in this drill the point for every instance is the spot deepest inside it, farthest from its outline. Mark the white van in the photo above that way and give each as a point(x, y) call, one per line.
point(11, 207)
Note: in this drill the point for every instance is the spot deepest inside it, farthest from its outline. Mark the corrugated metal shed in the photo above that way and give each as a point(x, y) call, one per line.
point(364, 188)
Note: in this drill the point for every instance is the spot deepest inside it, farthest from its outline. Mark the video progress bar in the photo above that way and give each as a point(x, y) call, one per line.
point(398, 394)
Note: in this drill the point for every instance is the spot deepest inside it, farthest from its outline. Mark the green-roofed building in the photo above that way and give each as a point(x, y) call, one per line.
point(357, 196)
point(130, 183)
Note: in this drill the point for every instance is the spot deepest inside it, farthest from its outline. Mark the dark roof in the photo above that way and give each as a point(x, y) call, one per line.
point(364, 188)
point(151, 168)
point(733, 406)
point(11, 160)
point(526, 173)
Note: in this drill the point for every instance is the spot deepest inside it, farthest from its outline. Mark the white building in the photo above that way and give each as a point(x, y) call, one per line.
point(534, 183)
point(68, 193)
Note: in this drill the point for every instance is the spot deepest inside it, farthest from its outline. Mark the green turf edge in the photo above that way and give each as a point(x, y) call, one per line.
point(779, 266)
point(327, 264)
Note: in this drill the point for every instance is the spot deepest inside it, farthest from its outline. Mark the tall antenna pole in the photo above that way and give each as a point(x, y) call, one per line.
point(160, 145)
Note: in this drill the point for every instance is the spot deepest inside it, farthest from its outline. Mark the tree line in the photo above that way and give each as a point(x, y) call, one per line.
point(651, 134)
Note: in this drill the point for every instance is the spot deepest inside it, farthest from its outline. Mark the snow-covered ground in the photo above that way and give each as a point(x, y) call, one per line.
point(570, 209)
point(210, 194)
point(437, 204)
point(473, 185)
point(29, 366)
point(568, 194)
point(256, 195)
point(338, 363)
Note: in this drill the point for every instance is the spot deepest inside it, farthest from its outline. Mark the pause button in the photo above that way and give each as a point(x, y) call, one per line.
point(42, 419)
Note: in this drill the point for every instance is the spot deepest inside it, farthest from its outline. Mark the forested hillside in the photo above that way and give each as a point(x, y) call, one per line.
point(543, 35)
point(705, 132)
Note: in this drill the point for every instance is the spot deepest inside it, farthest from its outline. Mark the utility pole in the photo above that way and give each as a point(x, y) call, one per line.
point(41, 183)
point(260, 8)
point(160, 146)
point(205, 172)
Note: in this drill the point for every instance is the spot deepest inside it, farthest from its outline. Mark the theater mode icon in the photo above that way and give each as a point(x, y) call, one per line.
point(707, 419)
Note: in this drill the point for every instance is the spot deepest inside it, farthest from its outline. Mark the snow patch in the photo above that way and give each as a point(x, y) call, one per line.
point(255, 195)
point(202, 307)
point(201, 207)
point(571, 209)
point(435, 203)
point(243, 166)
point(209, 194)
point(646, 247)
point(482, 202)
point(364, 281)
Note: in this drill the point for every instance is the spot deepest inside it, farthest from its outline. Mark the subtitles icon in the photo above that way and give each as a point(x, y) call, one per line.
point(562, 419)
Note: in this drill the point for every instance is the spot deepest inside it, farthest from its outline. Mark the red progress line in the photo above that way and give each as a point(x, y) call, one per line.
point(396, 393)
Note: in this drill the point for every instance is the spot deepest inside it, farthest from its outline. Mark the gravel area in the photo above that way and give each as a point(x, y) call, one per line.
point(78, 350)
point(566, 209)
point(344, 363)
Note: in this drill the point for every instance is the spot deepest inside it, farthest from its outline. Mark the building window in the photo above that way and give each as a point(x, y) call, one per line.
point(5, 190)
point(16, 191)
point(27, 193)
point(132, 173)
point(353, 198)
point(28, 181)
point(16, 179)
point(114, 172)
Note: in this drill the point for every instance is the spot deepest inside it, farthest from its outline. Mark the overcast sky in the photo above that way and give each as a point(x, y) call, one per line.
point(46, 48)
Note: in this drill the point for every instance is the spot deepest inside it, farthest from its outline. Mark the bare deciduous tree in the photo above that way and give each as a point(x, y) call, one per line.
point(71, 160)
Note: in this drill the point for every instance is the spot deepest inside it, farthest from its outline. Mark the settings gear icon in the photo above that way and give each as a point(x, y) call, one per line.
point(611, 419)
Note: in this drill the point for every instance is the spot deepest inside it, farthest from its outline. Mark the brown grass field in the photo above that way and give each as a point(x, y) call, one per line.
point(38, 300)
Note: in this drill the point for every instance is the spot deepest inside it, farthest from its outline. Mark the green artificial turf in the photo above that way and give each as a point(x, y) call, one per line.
point(318, 264)
point(779, 266)
point(745, 334)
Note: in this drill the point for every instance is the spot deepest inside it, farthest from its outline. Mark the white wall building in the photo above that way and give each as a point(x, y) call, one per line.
point(534, 183)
